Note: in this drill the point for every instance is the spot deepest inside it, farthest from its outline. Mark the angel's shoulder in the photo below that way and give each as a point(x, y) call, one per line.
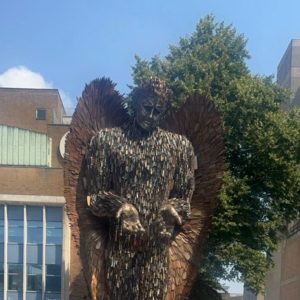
point(177, 139)
point(106, 135)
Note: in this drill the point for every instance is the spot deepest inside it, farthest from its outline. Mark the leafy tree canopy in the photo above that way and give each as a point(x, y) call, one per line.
point(262, 182)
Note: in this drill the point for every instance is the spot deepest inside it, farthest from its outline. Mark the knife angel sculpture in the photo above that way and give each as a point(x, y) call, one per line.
point(141, 190)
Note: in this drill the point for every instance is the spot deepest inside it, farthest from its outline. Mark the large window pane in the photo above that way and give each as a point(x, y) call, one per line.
point(34, 277)
point(34, 224)
point(54, 235)
point(1, 278)
point(15, 223)
point(1, 234)
point(35, 235)
point(30, 295)
point(34, 254)
point(15, 253)
point(34, 213)
point(34, 251)
point(1, 252)
point(53, 225)
point(54, 214)
point(54, 270)
point(53, 278)
point(14, 295)
point(53, 283)
point(15, 231)
point(1, 224)
point(15, 212)
point(15, 277)
point(52, 296)
point(53, 254)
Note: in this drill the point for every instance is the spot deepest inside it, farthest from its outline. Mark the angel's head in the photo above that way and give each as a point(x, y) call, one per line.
point(151, 101)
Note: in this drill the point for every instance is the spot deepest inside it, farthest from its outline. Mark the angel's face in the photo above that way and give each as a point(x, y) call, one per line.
point(149, 112)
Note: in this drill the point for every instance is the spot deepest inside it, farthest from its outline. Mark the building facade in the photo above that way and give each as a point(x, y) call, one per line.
point(283, 281)
point(288, 71)
point(249, 295)
point(34, 231)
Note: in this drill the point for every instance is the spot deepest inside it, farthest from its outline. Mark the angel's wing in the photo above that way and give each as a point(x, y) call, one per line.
point(100, 106)
point(199, 121)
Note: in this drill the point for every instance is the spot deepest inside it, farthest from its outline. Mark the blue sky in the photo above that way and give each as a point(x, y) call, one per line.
point(65, 44)
point(69, 43)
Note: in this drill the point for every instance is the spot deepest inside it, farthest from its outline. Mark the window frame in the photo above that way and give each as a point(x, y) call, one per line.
point(44, 202)
point(43, 111)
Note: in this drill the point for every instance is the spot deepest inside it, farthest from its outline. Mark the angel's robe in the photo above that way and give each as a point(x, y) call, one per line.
point(147, 171)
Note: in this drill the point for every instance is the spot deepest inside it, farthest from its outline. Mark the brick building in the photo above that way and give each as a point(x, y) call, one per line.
point(34, 232)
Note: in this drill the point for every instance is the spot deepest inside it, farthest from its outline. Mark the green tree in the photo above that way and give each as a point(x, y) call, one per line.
point(260, 194)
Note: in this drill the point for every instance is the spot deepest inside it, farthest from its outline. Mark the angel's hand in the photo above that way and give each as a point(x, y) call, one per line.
point(129, 218)
point(168, 217)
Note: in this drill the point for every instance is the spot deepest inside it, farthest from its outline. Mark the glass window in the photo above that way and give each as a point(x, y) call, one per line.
point(15, 231)
point(41, 113)
point(1, 236)
point(54, 214)
point(15, 223)
point(54, 225)
point(15, 253)
point(1, 278)
point(32, 295)
point(52, 296)
point(15, 212)
point(1, 224)
point(34, 277)
point(15, 277)
point(11, 295)
point(34, 235)
point(53, 254)
point(34, 224)
point(34, 254)
point(53, 278)
point(54, 270)
point(1, 252)
point(35, 270)
point(54, 235)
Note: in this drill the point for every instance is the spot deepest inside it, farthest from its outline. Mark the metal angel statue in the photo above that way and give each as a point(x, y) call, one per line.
point(141, 191)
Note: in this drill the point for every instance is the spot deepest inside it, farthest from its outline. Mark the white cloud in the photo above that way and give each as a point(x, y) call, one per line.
point(22, 77)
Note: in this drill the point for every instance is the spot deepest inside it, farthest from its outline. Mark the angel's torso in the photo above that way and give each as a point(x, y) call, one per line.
point(142, 169)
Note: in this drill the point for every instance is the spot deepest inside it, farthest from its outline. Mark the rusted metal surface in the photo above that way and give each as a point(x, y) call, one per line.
point(148, 172)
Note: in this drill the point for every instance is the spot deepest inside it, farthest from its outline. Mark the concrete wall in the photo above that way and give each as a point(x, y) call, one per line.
point(288, 72)
point(283, 281)
point(274, 276)
point(290, 271)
